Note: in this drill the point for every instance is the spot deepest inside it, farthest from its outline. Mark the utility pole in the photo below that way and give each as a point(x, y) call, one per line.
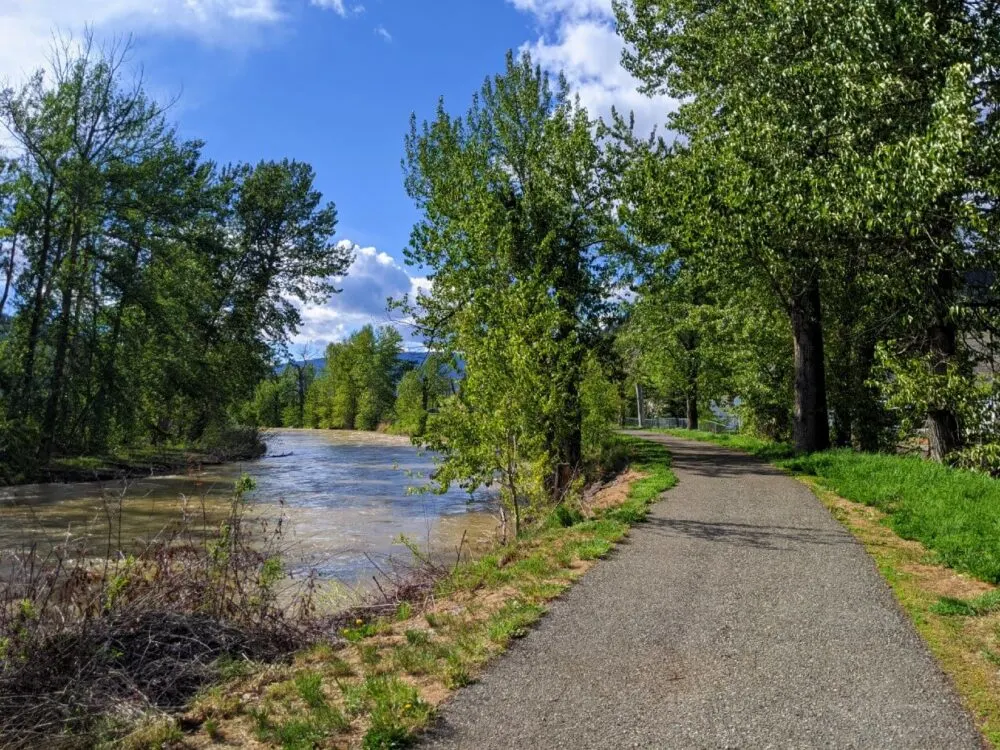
point(638, 401)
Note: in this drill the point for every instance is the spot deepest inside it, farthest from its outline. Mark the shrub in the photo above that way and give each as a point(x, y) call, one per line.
point(86, 643)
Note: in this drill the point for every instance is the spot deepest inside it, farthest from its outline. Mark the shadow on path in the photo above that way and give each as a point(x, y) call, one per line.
point(747, 535)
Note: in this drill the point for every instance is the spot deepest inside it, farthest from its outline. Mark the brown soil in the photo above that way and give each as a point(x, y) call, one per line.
point(610, 494)
point(935, 578)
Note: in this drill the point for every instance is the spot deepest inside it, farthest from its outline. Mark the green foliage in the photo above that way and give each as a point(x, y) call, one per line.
point(917, 385)
point(395, 712)
point(411, 416)
point(154, 285)
point(820, 176)
point(981, 605)
point(951, 512)
point(357, 388)
point(280, 401)
point(515, 219)
point(421, 392)
point(601, 406)
point(512, 621)
point(678, 341)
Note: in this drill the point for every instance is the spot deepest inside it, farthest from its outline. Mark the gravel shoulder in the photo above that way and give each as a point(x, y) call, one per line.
point(740, 615)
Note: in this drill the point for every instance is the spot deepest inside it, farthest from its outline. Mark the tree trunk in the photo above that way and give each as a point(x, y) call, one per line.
point(8, 273)
point(62, 347)
point(945, 433)
point(869, 419)
point(38, 302)
point(692, 409)
point(812, 424)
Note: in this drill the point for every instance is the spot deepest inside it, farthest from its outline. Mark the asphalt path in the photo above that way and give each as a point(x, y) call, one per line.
point(741, 615)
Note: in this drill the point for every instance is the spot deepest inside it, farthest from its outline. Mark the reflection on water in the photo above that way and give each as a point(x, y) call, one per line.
point(345, 496)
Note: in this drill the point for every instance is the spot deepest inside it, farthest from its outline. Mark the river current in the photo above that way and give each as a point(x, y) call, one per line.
point(346, 498)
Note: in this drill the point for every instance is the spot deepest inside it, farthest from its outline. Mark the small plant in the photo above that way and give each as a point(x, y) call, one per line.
point(564, 516)
point(211, 727)
point(512, 621)
point(360, 631)
point(417, 637)
point(415, 660)
point(369, 655)
point(396, 712)
point(981, 605)
point(310, 688)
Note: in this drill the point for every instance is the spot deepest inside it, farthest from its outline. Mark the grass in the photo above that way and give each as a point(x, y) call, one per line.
point(954, 513)
point(957, 616)
point(985, 604)
point(378, 685)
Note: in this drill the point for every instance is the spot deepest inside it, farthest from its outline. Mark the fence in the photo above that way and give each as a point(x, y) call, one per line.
point(674, 423)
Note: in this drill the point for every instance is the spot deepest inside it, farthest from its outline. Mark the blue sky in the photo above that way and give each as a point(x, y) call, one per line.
point(333, 83)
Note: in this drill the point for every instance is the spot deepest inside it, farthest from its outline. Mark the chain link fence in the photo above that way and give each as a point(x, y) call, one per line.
point(674, 423)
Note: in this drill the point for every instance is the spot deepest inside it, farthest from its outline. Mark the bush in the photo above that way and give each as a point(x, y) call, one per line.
point(94, 641)
point(234, 443)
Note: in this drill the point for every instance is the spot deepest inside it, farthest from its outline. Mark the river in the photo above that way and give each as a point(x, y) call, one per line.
point(346, 497)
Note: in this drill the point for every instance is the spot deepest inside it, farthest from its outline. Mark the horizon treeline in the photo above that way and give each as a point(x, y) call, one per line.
point(365, 384)
point(145, 288)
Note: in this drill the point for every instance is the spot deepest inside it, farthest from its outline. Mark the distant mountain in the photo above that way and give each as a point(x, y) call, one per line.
point(414, 358)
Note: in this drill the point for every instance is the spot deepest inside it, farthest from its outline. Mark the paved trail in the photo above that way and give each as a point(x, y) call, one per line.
point(742, 615)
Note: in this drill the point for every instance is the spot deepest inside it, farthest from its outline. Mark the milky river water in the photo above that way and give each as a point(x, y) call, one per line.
point(346, 498)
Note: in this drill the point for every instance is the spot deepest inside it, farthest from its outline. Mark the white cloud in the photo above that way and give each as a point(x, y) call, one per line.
point(578, 38)
point(27, 26)
point(374, 277)
point(383, 32)
point(339, 7)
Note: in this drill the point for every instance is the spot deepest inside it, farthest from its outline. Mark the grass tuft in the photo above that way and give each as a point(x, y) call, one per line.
point(986, 604)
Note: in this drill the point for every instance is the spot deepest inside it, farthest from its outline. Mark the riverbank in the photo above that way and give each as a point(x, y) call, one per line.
point(932, 532)
point(378, 681)
point(236, 445)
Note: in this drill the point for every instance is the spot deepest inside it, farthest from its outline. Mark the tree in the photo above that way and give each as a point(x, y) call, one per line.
point(357, 388)
point(515, 221)
point(420, 392)
point(147, 290)
point(807, 136)
point(679, 334)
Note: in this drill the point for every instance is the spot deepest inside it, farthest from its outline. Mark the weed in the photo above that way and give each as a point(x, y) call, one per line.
point(564, 517)
point(338, 667)
point(211, 727)
point(414, 661)
point(981, 605)
point(417, 637)
point(360, 631)
point(310, 688)
point(396, 712)
point(369, 654)
point(511, 621)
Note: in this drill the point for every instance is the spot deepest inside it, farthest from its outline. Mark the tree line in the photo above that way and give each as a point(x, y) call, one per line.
point(364, 384)
point(810, 241)
point(145, 288)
